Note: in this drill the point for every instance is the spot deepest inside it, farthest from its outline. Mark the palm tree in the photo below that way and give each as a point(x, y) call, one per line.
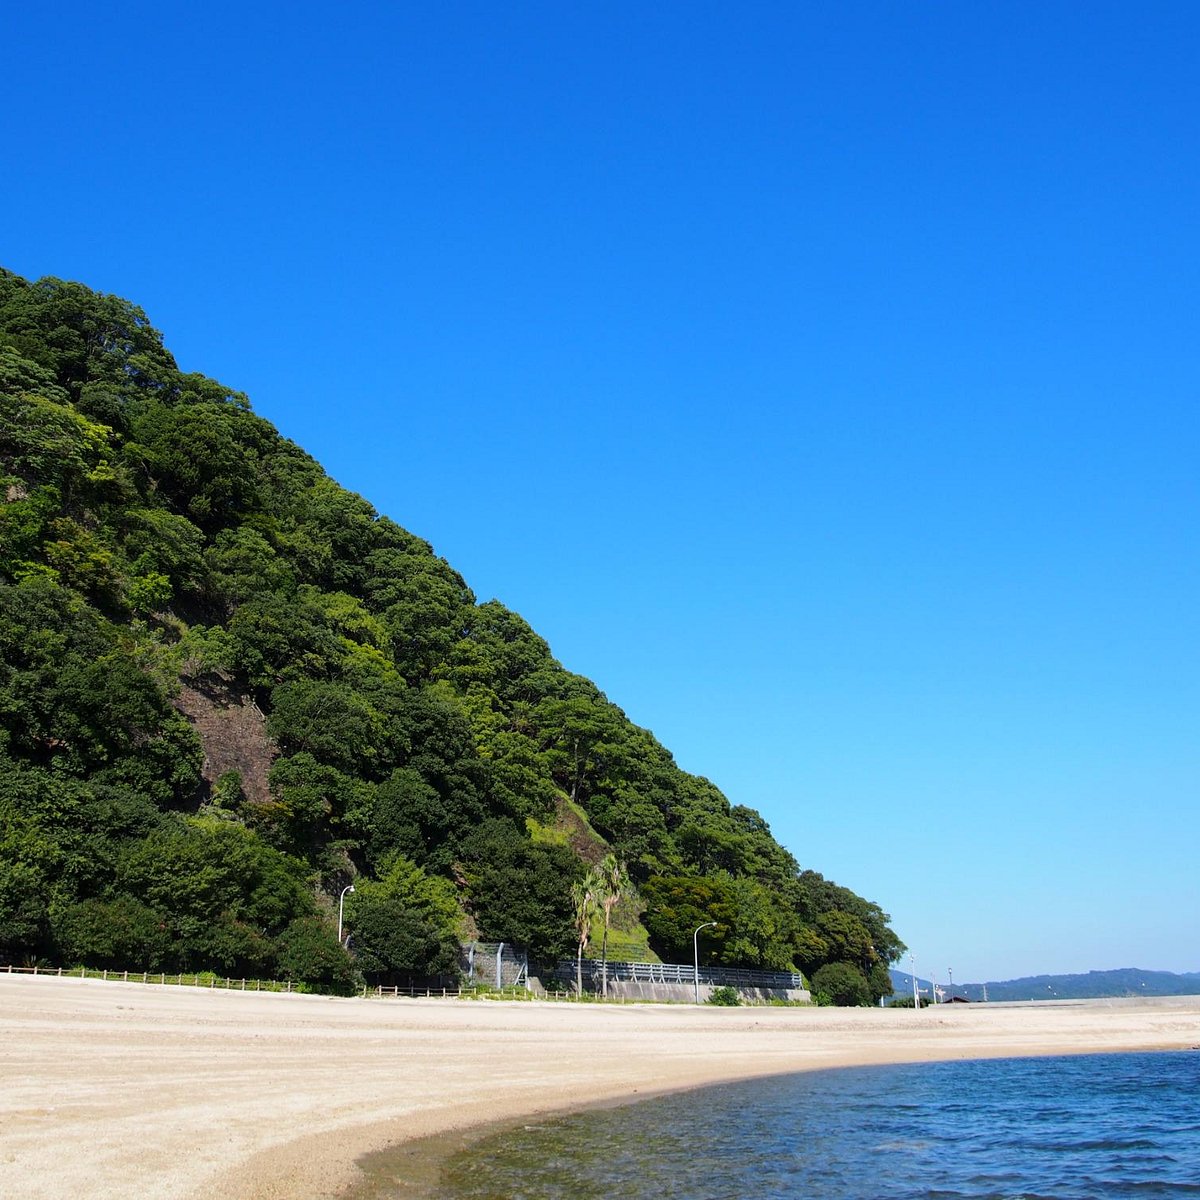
point(613, 880)
point(585, 894)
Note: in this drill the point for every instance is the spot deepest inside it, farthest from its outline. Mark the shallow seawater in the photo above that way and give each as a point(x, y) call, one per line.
point(1122, 1125)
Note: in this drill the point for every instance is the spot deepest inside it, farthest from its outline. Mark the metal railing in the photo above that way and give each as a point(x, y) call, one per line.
point(677, 973)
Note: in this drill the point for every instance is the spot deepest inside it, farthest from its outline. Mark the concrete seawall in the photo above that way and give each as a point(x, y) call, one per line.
point(685, 993)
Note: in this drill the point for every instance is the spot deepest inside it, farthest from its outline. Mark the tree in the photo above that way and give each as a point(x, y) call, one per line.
point(308, 951)
point(848, 938)
point(676, 905)
point(394, 941)
point(222, 893)
point(117, 934)
point(842, 937)
point(811, 949)
point(584, 894)
point(23, 909)
point(612, 876)
point(334, 723)
point(843, 983)
point(582, 735)
point(403, 924)
point(308, 801)
point(204, 458)
point(812, 894)
point(518, 891)
point(761, 933)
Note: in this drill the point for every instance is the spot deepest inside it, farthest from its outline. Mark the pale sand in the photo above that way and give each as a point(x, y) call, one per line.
point(117, 1090)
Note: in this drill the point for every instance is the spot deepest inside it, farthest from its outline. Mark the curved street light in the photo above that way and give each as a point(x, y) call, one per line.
point(341, 902)
point(696, 957)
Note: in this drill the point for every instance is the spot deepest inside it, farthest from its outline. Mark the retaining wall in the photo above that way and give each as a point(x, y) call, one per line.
point(628, 989)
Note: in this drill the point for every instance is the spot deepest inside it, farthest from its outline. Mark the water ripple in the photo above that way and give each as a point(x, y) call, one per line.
point(1079, 1128)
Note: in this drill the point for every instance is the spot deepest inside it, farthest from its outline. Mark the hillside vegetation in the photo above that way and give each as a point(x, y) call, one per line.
point(229, 688)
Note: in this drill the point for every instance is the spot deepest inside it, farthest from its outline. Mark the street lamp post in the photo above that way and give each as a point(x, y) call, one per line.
point(696, 957)
point(912, 962)
point(341, 902)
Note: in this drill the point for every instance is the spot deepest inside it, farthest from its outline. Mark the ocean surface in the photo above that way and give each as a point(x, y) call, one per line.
point(1120, 1125)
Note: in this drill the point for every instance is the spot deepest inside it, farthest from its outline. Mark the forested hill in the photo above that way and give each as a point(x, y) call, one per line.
point(229, 688)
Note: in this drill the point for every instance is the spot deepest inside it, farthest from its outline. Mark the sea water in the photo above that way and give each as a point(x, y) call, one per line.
point(1120, 1125)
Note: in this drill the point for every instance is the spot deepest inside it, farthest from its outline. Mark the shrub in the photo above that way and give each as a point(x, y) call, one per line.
point(115, 934)
point(725, 997)
point(906, 1002)
point(308, 952)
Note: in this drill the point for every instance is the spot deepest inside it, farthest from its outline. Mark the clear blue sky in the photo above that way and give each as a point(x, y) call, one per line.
point(819, 379)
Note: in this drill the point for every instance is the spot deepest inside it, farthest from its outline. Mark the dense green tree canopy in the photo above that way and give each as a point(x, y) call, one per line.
point(228, 688)
point(404, 925)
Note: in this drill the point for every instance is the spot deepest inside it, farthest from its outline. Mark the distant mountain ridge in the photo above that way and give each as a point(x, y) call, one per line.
point(1124, 981)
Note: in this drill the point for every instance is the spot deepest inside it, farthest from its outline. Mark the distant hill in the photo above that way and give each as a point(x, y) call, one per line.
point(1126, 981)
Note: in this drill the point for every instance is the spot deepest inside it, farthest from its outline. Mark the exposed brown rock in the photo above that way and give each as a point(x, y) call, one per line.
point(233, 732)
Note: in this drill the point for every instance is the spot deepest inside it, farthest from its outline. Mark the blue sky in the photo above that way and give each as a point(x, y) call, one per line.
point(820, 380)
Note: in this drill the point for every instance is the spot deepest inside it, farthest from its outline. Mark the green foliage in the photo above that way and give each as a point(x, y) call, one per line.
point(906, 1001)
point(751, 930)
point(404, 925)
point(328, 721)
point(44, 439)
point(203, 458)
point(309, 952)
point(227, 794)
point(240, 564)
point(879, 981)
point(113, 933)
point(221, 891)
point(73, 696)
point(520, 892)
point(613, 884)
point(278, 637)
point(586, 896)
point(724, 997)
point(81, 338)
point(307, 803)
point(843, 984)
point(24, 916)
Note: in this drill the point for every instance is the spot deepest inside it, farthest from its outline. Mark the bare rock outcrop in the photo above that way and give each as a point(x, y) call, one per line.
point(233, 732)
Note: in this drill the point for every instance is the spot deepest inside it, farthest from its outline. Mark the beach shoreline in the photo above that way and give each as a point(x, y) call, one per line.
point(257, 1096)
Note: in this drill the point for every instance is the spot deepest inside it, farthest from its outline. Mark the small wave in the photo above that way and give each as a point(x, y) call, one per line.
point(1089, 1145)
point(1018, 1130)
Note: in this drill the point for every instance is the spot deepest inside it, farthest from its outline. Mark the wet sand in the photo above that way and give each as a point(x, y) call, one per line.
point(113, 1090)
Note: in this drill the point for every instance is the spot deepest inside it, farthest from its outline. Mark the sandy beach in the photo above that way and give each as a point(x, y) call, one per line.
point(112, 1089)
